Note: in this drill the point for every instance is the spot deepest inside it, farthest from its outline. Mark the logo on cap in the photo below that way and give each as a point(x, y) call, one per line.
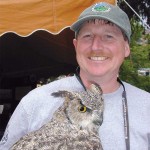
point(101, 7)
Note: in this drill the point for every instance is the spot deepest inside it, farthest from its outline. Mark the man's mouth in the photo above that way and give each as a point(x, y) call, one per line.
point(98, 58)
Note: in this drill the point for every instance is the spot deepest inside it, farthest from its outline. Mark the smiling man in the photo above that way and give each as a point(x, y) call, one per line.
point(100, 50)
point(102, 37)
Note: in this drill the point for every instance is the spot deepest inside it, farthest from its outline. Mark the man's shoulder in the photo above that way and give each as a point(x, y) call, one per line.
point(133, 90)
point(67, 83)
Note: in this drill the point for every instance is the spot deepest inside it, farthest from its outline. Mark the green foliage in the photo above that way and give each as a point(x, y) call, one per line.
point(147, 36)
point(139, 58)
point(137, 31)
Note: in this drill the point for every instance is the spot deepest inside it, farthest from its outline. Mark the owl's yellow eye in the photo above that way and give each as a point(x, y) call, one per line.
point(82, 109)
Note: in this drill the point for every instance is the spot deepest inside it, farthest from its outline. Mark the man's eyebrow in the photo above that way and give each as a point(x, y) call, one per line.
point(113, 31)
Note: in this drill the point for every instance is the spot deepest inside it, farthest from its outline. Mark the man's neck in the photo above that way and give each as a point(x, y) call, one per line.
point(108, 86)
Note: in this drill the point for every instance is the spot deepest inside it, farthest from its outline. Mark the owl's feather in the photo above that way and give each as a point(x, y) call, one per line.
point(74, 125)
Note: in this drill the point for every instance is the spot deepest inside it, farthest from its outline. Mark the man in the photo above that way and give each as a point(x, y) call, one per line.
point(102, 36)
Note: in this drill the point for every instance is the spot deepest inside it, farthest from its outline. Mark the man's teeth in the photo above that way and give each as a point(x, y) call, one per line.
point(98, 58)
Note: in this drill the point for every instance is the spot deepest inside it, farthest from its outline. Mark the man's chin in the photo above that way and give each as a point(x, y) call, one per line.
point(97, 74)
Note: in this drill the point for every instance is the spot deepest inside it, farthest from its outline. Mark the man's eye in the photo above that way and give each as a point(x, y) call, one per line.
point(87, 35)
point(109, 36)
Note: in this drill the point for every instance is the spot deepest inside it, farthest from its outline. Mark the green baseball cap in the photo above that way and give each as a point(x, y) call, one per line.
point(104, 11)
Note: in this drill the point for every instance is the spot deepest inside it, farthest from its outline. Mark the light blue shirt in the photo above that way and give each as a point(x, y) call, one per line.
point(38, 106)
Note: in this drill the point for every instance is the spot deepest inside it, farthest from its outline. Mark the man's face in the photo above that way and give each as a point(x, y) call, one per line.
point(100, 49)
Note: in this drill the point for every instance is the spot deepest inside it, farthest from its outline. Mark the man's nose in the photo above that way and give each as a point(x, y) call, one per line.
point(97, 43)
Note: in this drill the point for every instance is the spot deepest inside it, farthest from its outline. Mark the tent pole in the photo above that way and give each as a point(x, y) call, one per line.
point(137, 15)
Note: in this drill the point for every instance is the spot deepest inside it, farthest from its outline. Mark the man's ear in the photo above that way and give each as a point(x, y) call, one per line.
point(75, 43)
point(127, 50)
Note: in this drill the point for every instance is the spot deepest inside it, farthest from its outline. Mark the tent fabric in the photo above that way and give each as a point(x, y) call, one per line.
point(35, 37)
point(23, 17)
point(40, 53)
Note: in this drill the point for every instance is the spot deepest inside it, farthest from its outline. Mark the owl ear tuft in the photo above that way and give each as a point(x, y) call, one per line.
point(95, 88)
point(70, 95)
point(60, 94)
point(64, 94)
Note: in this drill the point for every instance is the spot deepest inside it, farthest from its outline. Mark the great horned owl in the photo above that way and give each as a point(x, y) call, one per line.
point(74, 125)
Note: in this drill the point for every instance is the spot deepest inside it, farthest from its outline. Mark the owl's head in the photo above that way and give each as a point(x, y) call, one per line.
point(84, 109)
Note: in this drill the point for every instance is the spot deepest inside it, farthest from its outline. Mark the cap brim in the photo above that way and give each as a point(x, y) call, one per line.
point(76, 26)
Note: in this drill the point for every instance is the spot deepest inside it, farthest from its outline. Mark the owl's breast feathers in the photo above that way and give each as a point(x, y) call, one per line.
point(61, 133)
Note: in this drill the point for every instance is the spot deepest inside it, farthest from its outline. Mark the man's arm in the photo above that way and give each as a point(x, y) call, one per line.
point(16, 128)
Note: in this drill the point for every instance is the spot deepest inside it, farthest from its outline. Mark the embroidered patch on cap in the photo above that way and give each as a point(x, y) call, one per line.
point(101, 7)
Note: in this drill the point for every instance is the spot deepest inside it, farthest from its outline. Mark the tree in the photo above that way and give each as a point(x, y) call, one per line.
point(139, 58)
point(140, 6)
